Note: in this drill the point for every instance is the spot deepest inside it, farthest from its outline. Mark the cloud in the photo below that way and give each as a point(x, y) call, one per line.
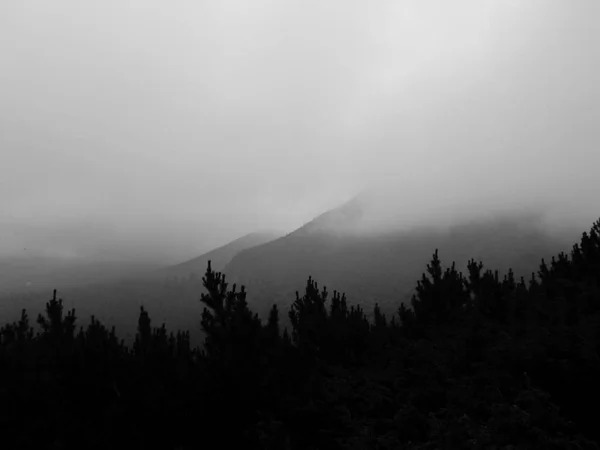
point(218, 118)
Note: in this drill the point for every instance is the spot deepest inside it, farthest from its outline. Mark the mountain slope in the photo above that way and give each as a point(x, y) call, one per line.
point(220, 256)
point(383, 267)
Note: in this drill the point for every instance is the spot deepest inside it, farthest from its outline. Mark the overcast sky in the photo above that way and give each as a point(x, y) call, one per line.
point(204, 120)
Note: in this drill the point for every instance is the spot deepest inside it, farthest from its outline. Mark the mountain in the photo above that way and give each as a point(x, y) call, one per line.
point(220, 256)
point(339, 252)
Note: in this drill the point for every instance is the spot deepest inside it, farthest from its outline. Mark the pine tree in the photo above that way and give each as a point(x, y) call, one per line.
point(308, 317)
point(379, 319)
point(406, 316)
point(143, 338)
point(273, 323)
point(441, 296)
point(54, 325)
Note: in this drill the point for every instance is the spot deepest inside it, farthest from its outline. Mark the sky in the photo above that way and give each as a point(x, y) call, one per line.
point(184, 125)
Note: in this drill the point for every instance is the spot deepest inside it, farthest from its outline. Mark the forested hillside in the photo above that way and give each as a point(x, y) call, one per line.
point(382, 267)
point(480, 360)
point(370, 267)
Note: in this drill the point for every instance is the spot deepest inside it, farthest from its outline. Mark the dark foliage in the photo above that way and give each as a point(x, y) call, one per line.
point(476, 362)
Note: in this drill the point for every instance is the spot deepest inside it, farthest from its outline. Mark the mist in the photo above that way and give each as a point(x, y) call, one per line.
point(158, 130)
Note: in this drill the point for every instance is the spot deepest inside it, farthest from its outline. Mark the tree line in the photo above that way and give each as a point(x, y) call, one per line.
point(476, 361)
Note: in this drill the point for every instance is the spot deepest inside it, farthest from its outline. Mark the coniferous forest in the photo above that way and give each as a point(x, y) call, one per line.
point(477, 361)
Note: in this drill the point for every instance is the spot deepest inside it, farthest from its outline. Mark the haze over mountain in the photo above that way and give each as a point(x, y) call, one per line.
point(113, 291)
point(334, 248)
point(96, 239)
point(185, 126)
point(219, 257)
point(42, 256)
point(338, 251)
point(141, 138)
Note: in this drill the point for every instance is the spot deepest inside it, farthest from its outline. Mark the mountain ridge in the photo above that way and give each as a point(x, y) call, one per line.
point(382, 267)
point(219, 256)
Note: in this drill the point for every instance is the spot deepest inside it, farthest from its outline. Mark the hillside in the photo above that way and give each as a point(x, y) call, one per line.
point(219, 256)
point(383, 267)
point(477, 362)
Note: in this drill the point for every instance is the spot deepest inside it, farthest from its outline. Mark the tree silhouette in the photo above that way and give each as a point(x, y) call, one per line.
point(478, 361)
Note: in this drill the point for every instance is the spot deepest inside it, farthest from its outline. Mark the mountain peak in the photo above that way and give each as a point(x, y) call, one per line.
point(337, 220)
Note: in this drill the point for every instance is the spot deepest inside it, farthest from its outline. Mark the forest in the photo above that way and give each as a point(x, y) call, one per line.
point(480, 360)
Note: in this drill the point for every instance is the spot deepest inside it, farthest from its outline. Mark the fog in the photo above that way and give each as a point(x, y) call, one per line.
point(178, 126)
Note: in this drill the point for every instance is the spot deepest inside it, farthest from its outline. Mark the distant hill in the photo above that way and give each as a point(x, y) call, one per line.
point(384, 267)
point(369, 267)
point(219, 257)
point(114, 292)
point(29, 274)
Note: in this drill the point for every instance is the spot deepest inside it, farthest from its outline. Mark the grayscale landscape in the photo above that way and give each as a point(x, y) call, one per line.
point(147, 148)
